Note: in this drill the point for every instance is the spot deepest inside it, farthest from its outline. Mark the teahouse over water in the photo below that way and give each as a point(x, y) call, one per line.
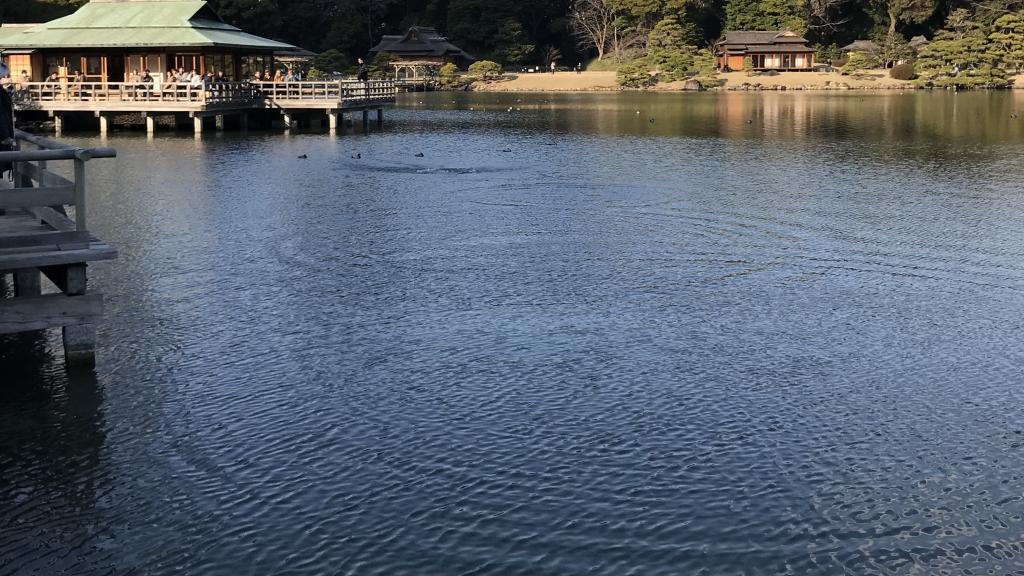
point(767, 50)
point(109, 40)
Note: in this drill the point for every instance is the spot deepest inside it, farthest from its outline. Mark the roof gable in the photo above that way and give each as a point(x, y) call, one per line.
point(747, 37)
point(419, 41)
point(124, 23)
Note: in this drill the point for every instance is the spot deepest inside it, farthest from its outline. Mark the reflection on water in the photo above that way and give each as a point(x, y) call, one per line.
point(612, 333)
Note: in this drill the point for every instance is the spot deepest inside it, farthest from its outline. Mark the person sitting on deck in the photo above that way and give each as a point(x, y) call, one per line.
point(266, 76)
point(77, 77)
point(171, 78)
point(278, 77)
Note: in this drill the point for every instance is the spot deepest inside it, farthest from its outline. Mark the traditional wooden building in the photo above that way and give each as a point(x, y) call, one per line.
point(108, 40)
point(420, 53)
point(767, 50)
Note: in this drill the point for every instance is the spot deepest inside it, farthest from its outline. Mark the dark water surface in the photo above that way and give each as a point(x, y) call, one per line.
point(728, 334)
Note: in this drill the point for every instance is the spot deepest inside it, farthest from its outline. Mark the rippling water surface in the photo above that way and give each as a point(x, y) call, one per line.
point(601, 334)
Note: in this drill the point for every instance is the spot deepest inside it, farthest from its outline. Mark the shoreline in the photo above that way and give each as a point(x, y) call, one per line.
point(869, 80)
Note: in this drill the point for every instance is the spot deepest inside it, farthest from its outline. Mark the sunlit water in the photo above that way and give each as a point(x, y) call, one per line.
point(599, 334)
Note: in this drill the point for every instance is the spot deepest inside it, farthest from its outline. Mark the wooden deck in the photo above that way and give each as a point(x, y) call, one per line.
point(104, 100)
point(124, 97)
point(37, 238)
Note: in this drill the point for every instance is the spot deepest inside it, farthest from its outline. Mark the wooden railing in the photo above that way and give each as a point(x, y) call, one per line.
point(45, 193)
point(215, 93)
point(346, 92)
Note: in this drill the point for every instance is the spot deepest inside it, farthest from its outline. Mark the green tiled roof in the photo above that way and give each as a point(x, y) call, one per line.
point(137, 23)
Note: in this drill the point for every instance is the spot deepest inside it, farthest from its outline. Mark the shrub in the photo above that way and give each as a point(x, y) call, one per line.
point(707, 72)
point(448, 77)
point(670, 65)
point(748, 66)
point(636, 74)
point(858, 61)
point(903, 72)
point(485, 69)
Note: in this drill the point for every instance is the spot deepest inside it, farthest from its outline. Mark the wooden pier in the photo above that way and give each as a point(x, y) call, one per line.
point(38, 238)
point(326, 101)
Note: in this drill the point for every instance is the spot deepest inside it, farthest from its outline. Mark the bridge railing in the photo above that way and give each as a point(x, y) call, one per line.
point(344, 91)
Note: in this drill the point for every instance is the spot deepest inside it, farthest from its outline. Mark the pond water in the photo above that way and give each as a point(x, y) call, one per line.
point(582, 334)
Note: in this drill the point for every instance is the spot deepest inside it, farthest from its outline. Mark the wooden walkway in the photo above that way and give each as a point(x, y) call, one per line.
point(220, 99)
point(37, 238)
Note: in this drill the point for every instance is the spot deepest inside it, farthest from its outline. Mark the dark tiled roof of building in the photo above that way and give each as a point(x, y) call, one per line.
point(419, 41)
point(860, 46)
point(751, 37)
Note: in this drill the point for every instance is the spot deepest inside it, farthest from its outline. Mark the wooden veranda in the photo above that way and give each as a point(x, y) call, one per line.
point(104, 100)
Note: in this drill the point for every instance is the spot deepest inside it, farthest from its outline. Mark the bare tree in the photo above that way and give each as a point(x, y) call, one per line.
point(593, 24)
point(826, 14)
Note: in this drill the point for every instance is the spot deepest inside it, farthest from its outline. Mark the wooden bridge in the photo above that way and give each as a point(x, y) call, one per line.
point(218, 100)
point(38, 238)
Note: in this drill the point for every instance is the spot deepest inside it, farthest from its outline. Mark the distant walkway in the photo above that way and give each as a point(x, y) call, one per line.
point(547, 82)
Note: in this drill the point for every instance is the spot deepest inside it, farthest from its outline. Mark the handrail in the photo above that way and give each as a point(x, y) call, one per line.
point(373, 91)
point(44, 193)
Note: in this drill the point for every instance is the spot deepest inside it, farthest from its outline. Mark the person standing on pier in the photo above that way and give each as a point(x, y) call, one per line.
point(364, 73)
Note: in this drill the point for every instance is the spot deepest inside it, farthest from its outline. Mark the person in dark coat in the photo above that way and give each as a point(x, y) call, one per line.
point(7, 142)
point(364, 73)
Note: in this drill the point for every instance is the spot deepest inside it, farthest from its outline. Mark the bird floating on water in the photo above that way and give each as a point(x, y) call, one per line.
point(357, 156)
point(419, 154)
point(507, 150)
point(303, 156)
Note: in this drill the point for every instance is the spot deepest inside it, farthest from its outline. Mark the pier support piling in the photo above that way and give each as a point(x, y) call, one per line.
point(197, 124)
point(243, 121)
point(332, 120)
point(58, 123)
point(80, 345)
point(150, 124)
point(104, 122)
point(380, 117)
point(219, 122)
point(27, 283)
point(366, 121)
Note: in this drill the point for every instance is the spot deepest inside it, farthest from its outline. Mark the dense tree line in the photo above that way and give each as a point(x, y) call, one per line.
point(537, 31)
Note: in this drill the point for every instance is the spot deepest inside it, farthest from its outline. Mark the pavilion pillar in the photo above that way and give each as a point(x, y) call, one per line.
point(197, 123)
